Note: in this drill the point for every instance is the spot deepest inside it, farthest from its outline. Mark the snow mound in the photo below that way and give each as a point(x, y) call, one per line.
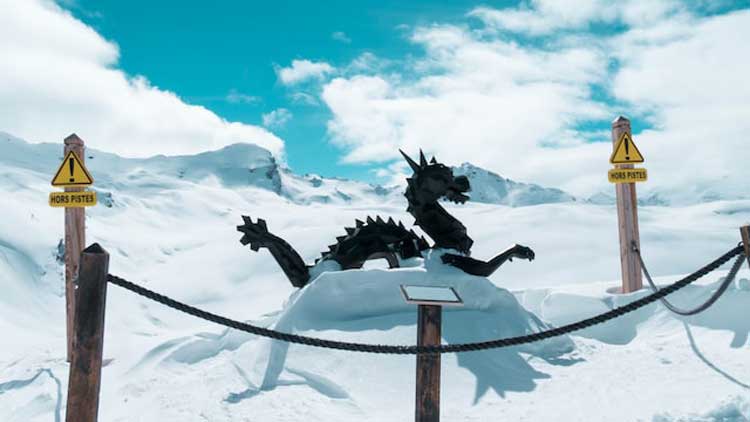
point(366, 306)
point(734, 409)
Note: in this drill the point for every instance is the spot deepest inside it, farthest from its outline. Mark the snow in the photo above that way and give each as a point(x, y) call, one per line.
point(490, 188)
point(171, 227)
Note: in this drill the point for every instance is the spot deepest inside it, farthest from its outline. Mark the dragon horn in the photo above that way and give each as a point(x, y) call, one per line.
point(413, 164)
point(422, 159)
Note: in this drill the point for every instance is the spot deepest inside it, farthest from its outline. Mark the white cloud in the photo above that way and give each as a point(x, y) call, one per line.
point(59, 76)
point(341, 36)
point(236, 97)
point(542, 17)
point(303, 98)
point(303, 70)
point(490, 103)
point(517, 109)
point(277, 118)
point(692, 77)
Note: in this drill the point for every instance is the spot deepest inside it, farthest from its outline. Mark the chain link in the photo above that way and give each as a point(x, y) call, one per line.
point(411, 350)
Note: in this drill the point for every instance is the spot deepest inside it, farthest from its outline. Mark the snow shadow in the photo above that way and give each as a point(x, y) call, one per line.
point(40, 403)
point(710, 364)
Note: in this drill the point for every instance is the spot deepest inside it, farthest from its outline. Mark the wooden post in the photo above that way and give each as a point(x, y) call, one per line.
point(428, 366)
point(627, 216)
point(75, 241)
point(86, 362)
point(745, 232)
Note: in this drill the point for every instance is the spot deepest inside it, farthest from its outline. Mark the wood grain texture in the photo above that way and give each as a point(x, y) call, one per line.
point(86, 362)
point(75, 241)
point(428, 366)
point(627, 217)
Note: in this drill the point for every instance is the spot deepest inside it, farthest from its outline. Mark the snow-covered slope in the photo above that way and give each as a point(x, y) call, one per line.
point(247, 165)
point(174, 232)
point(490, 188)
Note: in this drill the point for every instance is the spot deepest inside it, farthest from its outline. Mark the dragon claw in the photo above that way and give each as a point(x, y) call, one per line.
point(522, 252)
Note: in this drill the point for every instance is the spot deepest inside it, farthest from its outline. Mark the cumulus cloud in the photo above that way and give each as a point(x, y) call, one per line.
point(59, 76)
point(303, 70)
point(490, 103)
point(523, 109)
point(277, 118)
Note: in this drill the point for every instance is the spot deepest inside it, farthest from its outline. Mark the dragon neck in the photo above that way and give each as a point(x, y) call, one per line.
point(443, 228)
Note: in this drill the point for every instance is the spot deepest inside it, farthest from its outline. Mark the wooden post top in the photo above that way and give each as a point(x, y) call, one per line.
point(73, 139)
point(95, 248)
point(620, 121)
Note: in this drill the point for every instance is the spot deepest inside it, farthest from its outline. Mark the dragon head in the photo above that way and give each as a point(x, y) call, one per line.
point(433, 180)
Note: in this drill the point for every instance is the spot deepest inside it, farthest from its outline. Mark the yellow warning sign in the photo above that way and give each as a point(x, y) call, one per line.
point(72, 173)
point(72, 199)
point(625, 151)
point(627, 175)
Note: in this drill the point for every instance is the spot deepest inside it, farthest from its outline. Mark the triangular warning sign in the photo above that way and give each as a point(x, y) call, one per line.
point(72, 173)
point(625, 151)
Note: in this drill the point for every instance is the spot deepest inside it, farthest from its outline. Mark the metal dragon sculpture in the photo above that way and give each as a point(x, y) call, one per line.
point(377, 238)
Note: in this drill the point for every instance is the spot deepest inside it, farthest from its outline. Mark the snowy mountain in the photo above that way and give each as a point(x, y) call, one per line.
point(170, 226)
point(246, 165)
point(490, 188)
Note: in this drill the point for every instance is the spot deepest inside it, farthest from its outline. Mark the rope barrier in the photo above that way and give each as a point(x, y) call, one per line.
point(708, 303)
point(443, 348)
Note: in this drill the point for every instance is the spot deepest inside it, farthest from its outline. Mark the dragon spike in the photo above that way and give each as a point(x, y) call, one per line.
point(360, 223)
point(422, 159)
point(413, 164)
point(370, 220)
point(331, 248)
point(379, 220)
point(401, 225)
point(391, 222)
point(349, 230)
point(433, 160)
point(340, 238)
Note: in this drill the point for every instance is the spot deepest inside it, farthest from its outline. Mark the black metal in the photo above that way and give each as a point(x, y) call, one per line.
point(446, 348)
point(376, 238)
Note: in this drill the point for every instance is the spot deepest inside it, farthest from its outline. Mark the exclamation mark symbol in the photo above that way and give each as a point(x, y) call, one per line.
point(70, 167)
point(627, 148)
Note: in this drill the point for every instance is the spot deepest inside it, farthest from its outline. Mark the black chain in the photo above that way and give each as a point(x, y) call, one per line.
point(443, 348)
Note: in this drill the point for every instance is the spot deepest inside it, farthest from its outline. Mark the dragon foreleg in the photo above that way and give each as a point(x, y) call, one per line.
point(486, 268)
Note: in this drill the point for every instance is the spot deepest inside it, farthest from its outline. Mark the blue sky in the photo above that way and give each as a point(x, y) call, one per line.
point(525, 89)
point(206, 51)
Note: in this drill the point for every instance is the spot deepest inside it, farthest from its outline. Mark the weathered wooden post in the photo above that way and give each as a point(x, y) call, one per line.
point(745, 232)
point(86, 361)
point(75, 241)
point(428, 365)
point(431, 300)
point(627, 209)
